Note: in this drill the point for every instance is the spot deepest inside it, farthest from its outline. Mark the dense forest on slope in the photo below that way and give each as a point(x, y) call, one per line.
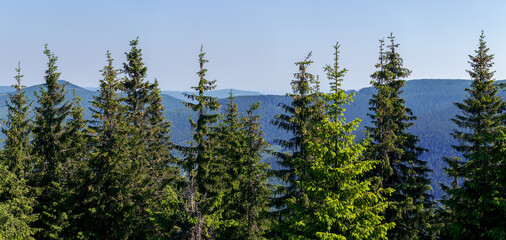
point(128, 162)
point(430, 99)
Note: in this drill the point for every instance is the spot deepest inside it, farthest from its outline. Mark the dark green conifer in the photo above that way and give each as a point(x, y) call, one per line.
point(477, 206)
point(17, 130)
point(50, 175)
point(397, 151)
point(201, 198)
point(149, 142)
point(107, 207)
point(16, 201)
point(303, 109)
point(243, 177)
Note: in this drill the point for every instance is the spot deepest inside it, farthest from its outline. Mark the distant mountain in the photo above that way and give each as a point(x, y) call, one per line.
point(431, 100)
point(93, 89)
point(222, 93)
point(4, 89)
point(87, 96)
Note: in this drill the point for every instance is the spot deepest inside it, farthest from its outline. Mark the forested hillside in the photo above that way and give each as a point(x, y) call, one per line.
point(419, 159)
point(430, 99)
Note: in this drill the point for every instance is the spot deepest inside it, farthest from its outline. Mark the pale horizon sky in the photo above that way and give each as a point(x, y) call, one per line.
point(251, 45)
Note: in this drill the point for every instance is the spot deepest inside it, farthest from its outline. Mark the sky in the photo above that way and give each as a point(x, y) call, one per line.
point(250, 45)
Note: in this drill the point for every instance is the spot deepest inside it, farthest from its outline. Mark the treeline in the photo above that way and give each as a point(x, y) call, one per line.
point(119, 175)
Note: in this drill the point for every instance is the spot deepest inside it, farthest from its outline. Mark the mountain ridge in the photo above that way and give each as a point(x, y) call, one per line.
point(431, 101)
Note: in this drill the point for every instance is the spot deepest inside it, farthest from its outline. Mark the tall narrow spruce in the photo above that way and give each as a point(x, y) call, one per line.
point(398, 151)
point(476, 207)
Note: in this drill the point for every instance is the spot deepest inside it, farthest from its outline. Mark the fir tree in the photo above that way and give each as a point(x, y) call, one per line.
point(149, 141)
point(398, 152)
point(17, 131)
point(107, 206)
point(335, 201)
point(162, 167)
point(476, 206)
point(246, 192)
point(201, 199)
point(50, 173)
point(296, 120)
point(16, 201)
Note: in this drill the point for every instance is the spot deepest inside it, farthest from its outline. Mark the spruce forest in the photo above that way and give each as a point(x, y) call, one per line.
point(117, 166)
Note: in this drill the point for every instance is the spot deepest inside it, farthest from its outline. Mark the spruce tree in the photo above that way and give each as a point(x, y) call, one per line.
point(107, 207)
point(149, 142)
point(243, 176)
point(297, 119)
point(162, 163)
point(200, 198)
point(17, 130)
point(398, 151)
point(16, 199)
point(476, 206)
point(50, 175)
point(335, 201)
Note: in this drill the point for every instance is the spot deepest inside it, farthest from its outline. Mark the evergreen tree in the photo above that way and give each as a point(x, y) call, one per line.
point(16, 201)
point(50, 175)
point(476, 206)
point(246, 192)
point(335, 201)
point(162, 167)
point(17, 131)
point(108, 180)
point(400, 166)
point(145, 114)
point(76, 156)
point(149, 141)
point(201, 199)
point(296, 120)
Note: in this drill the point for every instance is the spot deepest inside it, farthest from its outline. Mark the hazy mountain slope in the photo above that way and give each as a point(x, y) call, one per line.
point(221, 93)
point(430, 100)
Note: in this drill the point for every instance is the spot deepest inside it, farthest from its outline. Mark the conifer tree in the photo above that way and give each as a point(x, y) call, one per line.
point(149, 141)
point(77, 145)
point(108, 181)
point(162, 167)
point(296, 120)
point(17, 131)
point(50, 175)
point(246, 192)
point(397, 150)
point(76, 156)
point(335, 201)
point(476, 206)
point(16, 200)
point(200, 198)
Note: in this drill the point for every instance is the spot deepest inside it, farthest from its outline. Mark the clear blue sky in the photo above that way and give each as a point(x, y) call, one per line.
point(251, 45)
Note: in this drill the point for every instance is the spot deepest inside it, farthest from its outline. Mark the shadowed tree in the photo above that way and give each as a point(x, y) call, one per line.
point(51, 173)
point(202, 197)
point(477, 206)
point(296, 120)
point(398, 151)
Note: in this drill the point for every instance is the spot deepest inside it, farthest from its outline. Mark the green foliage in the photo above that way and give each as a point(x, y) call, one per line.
point(296, 120)
point(108, 180)
point(243, 177)
point(476, 208)
point(148, 144)
point(50, 169)
point(398, 151)
point(16, 201)
point(115, 177)
point(335, 202)
point(202, 197)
